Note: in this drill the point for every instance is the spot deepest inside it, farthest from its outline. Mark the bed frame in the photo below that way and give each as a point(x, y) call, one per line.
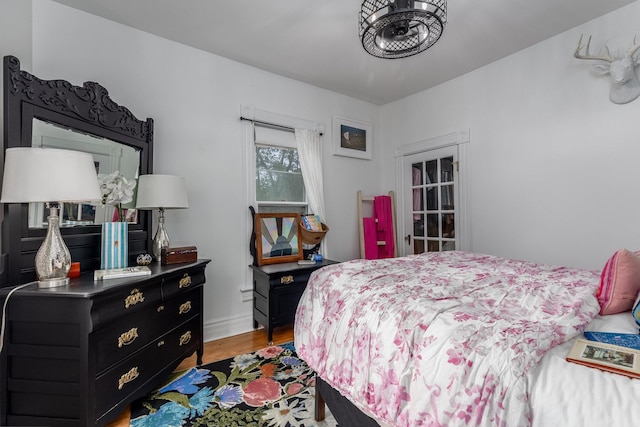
point(345, 412)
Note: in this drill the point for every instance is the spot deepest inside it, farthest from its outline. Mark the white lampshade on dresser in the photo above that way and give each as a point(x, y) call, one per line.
point(161, 192)
point(50, 176)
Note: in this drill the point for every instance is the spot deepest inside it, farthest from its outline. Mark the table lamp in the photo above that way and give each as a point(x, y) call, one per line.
point(161, 192)
point(50, 176)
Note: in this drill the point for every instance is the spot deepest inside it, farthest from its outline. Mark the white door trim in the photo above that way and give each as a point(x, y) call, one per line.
point(461, 139)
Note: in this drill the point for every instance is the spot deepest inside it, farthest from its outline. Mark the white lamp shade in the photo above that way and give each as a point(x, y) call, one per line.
point(49, 175)
point(161, 191)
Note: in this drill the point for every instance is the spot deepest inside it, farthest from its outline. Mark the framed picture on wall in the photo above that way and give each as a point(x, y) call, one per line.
point(352, 138)
point(278, 238)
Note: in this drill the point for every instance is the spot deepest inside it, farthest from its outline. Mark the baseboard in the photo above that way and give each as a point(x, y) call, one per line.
point(223, 328)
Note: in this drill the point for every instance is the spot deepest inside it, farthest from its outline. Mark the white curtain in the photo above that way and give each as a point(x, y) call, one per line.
point(310, 154)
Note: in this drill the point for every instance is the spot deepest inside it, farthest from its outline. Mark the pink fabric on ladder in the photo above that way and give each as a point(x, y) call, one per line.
point(382, 210)
point(370, 238)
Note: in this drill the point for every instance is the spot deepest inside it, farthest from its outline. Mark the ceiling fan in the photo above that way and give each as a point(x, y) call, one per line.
point(401, 28)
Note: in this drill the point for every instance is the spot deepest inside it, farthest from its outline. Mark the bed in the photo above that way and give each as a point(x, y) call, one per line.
point(459, 339)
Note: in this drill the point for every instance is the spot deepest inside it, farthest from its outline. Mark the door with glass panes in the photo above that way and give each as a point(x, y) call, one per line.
point(431, 217)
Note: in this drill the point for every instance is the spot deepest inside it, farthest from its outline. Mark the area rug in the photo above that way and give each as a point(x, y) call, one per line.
point(270, 387)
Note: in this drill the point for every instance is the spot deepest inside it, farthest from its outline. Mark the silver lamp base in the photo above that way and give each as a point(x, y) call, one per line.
point(161, 239)
point(52, 283)
point(53, 260)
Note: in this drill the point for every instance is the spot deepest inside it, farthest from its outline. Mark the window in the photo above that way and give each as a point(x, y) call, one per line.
point(279, 184)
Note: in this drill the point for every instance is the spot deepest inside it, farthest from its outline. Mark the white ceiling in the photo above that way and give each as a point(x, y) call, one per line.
point(317, 41)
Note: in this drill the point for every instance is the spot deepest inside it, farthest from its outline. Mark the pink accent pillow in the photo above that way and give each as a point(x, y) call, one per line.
point(619, 283)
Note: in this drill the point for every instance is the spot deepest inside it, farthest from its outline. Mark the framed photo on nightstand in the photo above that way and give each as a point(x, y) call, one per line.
point(278, 238)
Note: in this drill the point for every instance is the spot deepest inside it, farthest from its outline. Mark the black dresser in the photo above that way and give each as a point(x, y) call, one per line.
point(77, 355)
point(277, 289)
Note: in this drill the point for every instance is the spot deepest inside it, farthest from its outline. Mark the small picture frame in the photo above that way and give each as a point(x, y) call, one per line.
point(130, 215)
point(596, 353)
point(278, 238)
point(606, 357)
point(352, 138)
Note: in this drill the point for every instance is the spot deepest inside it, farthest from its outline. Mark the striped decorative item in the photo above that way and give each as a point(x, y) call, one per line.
point(115, 245)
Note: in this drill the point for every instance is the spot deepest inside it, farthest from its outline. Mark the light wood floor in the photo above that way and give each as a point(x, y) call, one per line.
point(223, 349)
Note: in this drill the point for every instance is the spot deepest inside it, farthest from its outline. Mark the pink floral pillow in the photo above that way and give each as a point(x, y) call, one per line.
point(619, 283)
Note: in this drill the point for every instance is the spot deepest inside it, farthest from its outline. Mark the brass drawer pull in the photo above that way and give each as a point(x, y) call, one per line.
point(160, 308)
point(135, 297)
point(185, 282)
point(160, 343)
point(128, 377)
point(285, 280)
point(185, 338)
point(128, 337)
point(185, 308)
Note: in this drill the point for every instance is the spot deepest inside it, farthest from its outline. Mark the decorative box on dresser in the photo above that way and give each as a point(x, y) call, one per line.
point(277, 289)
point(77, 355)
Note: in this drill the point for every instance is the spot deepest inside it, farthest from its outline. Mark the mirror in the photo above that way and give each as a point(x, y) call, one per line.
point(108, 156)
point(56, 113)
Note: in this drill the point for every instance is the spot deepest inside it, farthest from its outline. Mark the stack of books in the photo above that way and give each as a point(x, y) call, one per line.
point(608, 351)
point(312, 222)
point(119, 273)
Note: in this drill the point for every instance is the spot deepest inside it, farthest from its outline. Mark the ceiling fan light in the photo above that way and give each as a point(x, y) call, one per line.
point(400, 28)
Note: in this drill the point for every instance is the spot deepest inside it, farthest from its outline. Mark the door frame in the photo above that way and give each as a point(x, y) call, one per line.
point(461, 139)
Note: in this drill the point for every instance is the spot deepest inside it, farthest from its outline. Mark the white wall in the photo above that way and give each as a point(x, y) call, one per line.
point(15, 39)
point(195, 98)
point(555, 166)
point(15, 29)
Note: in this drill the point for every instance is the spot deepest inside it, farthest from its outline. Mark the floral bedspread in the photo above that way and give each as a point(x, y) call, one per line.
point(440, 339)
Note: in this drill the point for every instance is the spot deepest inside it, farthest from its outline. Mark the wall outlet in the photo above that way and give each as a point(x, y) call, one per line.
point(246, 294)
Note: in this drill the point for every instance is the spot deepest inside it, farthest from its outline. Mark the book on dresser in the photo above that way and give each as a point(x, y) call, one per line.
point(606, 357)
point(119, 273)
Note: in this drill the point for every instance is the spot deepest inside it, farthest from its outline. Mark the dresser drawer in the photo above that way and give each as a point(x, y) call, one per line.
point(290, 278)
point(127, 301)
point(118, 383)
point(264, 284)
point(180, 308)
point(188, 279)
point(124, 337)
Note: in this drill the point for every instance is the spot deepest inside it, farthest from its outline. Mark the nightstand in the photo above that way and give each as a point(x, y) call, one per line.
point(277, 289)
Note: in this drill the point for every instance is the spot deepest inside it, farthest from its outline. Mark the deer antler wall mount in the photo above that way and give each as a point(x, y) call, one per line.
point(625, 86)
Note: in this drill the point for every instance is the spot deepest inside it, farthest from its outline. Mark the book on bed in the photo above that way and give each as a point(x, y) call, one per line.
point(617, 338)
point(606, 357)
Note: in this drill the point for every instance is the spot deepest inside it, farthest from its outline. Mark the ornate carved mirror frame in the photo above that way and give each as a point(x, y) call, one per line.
point(86, 109)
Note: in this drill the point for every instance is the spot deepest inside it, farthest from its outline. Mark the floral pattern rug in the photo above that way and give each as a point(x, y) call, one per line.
point(270, 387)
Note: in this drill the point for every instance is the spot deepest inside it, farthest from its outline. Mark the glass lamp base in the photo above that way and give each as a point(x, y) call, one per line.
point(161, 239)
point(53, 260)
